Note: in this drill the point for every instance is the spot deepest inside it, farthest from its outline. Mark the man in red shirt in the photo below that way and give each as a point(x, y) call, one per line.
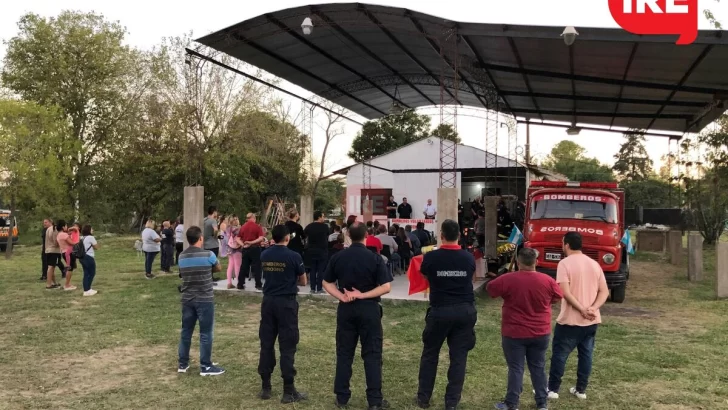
point(526, 326)
point(250, 238)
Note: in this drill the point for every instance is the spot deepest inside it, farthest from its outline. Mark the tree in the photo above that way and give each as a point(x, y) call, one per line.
point(79, 63)
point(650, 193)
point(332, 128)
point(633, 163)
point(569, 158)
point(395, 131)
point(329, 197)
point(30, 169)
point(446, 132)
point(707, 189)
point(711, 18)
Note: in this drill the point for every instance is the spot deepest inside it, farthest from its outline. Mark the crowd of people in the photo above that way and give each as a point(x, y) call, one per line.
point(357, 276)
point(64, 247)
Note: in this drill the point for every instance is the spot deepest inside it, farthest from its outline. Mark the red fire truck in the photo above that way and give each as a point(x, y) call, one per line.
point(595, 210)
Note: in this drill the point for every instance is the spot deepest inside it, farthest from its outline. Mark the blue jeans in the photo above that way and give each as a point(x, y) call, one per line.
point(192, 312)
point(566, 339)
point(533, 351)
point(148, 261)
point(89, 271)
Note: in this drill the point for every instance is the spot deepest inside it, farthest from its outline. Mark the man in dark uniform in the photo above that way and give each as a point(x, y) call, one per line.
point(451, 315)
point(404, 209)
point(358, 278)
point(283, 271)
point(392, 208)
point(460, 215)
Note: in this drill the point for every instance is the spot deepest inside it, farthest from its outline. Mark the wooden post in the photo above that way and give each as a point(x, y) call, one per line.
point(721, 270)
point(676, 252)
point(695, 257)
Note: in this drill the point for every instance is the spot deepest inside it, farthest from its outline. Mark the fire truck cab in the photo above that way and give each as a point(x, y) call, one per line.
point(593, 209)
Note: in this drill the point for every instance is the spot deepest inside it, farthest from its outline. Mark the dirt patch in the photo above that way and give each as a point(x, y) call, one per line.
point(628, 311)
point(104, 370)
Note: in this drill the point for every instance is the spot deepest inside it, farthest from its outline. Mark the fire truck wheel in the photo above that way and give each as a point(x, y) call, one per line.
point(618, 294)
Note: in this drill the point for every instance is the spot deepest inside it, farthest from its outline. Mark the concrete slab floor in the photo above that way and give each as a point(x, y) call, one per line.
point(400, 288)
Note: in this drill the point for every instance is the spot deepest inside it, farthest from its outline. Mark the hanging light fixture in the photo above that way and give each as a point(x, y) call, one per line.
point(396, 108)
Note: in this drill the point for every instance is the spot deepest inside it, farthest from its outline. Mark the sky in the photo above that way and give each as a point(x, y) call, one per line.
point(148, 21)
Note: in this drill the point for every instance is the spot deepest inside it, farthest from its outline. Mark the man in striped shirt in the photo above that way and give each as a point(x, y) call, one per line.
point(196, 266)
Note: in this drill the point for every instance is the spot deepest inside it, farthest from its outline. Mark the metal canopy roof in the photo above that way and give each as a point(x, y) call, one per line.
point(364, 57)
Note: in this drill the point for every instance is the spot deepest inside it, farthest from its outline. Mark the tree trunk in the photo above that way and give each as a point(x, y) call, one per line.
point(11, 227)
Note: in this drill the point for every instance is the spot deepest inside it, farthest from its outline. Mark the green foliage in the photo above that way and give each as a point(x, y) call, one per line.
point(395, 131)
point(633, 163)
point(650, 193)
point(569, 158)
point(706, 183)
point(31, 170)
point(79, 63)
point(446, 132)
point(330, 196)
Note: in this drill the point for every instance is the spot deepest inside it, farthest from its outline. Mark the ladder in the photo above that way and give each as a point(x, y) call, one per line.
point(276, 212)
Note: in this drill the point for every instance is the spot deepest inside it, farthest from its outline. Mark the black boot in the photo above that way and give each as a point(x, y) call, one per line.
point(265, 391)
point(383, 406)
point(291, 395)
point(421, 403)
point(264, 394)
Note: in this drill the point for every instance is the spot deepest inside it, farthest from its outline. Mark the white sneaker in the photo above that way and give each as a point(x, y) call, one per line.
point(90, 292)
point(551, 396)
point(579, 395)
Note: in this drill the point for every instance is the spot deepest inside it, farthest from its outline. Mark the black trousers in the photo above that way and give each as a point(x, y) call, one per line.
point(167, 257)
point(278, 320)
point(456, 324)
point(360, 320)
point(178, 247)
point(251, 261)
point(44, 265)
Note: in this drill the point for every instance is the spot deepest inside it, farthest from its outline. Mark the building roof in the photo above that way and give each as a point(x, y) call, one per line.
point(364, 57)
point(425, 152)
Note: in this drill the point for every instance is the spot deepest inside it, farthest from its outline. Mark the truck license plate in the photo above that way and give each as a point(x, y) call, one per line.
point(553, 256)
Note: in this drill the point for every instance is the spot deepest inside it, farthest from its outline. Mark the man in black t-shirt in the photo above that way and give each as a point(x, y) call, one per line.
point(451, 316)
point(358, 278)
point(283, 272)
point(317, 250)
point(404, 209)
point(392, 208)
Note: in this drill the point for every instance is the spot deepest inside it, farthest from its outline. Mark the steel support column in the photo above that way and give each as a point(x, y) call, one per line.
point(450, 67)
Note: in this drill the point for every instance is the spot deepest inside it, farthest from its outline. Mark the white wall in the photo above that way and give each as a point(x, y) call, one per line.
point(416, 187)
point(424, 155)
point(379, 179)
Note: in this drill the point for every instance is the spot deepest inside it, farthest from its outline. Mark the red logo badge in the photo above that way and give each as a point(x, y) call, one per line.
point(658, 17)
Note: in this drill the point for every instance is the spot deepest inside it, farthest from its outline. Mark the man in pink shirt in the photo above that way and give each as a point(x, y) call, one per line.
point(585, 291)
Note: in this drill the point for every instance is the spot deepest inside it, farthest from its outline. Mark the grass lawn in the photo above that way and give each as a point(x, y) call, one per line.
point(664, 349)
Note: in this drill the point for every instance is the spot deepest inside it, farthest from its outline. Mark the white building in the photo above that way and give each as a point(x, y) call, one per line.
point(413, 171)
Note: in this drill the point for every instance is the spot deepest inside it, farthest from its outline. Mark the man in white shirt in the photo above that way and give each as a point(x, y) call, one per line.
point(429, 210)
